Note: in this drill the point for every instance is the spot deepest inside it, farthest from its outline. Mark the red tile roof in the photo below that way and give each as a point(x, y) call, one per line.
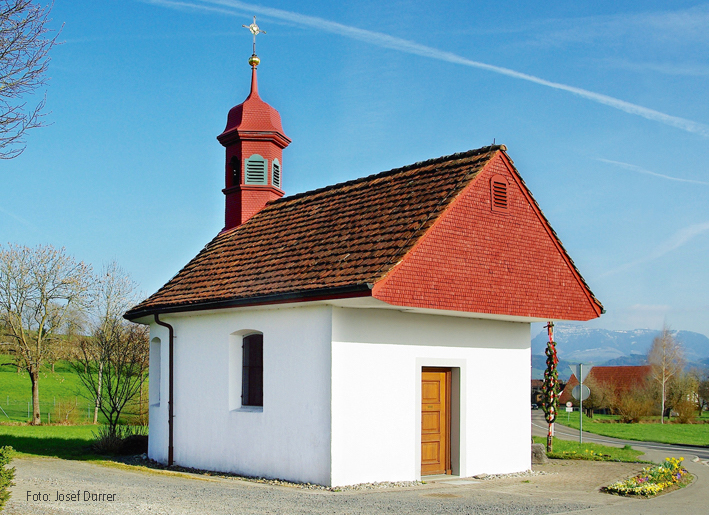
point(337, 241)
point(622, 379)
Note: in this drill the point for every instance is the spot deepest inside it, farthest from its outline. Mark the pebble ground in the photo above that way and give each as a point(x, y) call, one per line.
point(563, 487)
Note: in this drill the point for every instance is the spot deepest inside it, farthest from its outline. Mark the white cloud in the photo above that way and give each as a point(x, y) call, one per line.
point(235, 7)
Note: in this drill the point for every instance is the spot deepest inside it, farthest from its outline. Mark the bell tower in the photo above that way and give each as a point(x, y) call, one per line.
point(254, 142)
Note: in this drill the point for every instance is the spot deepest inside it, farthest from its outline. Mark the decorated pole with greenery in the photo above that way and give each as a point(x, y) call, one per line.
point(550, 387)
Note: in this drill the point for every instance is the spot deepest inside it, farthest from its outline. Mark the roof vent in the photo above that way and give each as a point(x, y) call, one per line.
point(255, 170)
point(276, 168)
point(498, 193)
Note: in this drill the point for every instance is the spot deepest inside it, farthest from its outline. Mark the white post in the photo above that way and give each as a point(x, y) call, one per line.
point(580, 378)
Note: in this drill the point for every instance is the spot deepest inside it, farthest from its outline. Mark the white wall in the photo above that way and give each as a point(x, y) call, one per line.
point(290, 437)
point(377, 356)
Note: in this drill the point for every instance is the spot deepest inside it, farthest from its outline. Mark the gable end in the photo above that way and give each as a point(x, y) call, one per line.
point(474, 260)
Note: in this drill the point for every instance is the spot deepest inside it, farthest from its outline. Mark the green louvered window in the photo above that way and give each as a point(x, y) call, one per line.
point(256, 170)
point(276, 173)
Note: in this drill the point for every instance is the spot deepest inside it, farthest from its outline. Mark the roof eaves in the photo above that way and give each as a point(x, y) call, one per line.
point(340, 292)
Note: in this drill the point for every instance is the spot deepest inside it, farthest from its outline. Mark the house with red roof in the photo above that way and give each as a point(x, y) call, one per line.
point(619, 380)
point(357, 332)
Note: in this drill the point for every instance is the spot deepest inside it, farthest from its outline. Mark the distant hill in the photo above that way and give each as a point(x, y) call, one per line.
point(579, 344)
point(539, 364)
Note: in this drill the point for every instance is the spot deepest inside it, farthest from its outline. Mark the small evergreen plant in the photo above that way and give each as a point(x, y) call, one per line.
point(6, 475)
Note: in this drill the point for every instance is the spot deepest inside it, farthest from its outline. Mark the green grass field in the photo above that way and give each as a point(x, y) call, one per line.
point(62, 387)
point(68, 442)
point(683, 434)
point(62, 396)
point(566, 449)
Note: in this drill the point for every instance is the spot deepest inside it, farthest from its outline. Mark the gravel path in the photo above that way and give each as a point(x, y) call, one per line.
point(566, 487)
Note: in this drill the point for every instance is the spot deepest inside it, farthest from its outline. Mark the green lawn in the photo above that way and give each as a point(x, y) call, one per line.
point(683, 434)
point(62, 396)
point(68, 442)
point(59, 392)
point(566, 449)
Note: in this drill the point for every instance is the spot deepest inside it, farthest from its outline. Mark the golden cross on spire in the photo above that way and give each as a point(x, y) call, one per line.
point(253, 28)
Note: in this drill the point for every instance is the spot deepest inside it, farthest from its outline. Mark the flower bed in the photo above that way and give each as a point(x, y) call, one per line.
point(653, 480)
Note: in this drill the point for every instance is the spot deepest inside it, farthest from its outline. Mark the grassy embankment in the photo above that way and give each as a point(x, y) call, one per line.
point(646, 431)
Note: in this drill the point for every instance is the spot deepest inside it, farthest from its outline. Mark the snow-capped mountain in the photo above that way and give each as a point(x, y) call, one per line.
point(585, 345)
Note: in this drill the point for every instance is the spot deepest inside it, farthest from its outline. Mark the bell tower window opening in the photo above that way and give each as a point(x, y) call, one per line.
point(276, 173)
point(499, 194)
point(235, 165)
point(256, 170)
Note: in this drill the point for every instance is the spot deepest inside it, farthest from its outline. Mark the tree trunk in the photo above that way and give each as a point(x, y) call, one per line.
point(98, 392)
point(34, 377)
point(662, 412)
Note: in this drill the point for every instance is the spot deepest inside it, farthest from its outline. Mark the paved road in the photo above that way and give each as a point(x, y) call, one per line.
point(691, 500)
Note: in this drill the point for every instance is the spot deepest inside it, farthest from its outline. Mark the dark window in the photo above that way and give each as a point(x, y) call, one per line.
point(252, 371)
point(235, 164)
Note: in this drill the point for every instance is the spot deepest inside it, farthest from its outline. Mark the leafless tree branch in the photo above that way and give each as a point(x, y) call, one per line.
point(25, 43)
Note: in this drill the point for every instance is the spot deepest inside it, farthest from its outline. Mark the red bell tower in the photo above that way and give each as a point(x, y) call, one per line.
point(254, 142)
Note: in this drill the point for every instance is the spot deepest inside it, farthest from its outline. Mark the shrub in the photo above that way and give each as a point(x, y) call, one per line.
point(111, 442)
point(633, 405)
point(6, 475)
point(67, 412)
point(686, 411)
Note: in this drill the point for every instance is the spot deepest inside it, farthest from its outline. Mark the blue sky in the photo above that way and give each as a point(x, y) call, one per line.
point(602, 105)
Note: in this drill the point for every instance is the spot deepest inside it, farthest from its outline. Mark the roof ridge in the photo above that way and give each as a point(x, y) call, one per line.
point(393, 171)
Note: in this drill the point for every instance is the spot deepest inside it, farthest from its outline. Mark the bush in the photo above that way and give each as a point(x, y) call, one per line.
point(686, 411)
point(6, 475)
point(113, 442)
point(633, 405)
point(67, 412)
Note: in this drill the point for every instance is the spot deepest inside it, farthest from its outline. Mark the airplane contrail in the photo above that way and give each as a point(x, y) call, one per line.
point(678, 239)
point(639, 169)
point(411, 47)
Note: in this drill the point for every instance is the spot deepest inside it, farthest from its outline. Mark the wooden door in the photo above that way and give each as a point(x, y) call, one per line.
point(435, 421)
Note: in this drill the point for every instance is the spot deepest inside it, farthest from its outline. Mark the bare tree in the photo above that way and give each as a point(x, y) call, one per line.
point(667, 359)
point(24, 58)
point(39, 289)
point(112, 361)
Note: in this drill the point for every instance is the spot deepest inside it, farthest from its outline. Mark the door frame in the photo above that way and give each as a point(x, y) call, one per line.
point(448, 414)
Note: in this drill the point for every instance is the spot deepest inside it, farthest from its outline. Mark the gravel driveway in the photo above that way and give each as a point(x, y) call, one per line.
point(567, 487)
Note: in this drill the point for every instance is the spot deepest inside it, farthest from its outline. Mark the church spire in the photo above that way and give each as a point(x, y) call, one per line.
point(254, 141)
point(254, 61)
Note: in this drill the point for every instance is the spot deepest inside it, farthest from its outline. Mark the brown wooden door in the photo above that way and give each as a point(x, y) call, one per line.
point(435, 421)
